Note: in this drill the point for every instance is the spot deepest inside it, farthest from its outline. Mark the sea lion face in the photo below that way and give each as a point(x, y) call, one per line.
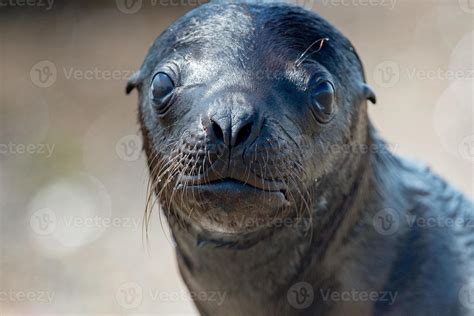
point(240, 110)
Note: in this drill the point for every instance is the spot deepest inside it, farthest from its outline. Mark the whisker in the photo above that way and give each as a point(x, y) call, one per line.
point(305, 54)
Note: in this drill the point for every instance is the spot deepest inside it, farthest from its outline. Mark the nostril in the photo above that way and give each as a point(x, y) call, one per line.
point(243, 134)
point(217, 130)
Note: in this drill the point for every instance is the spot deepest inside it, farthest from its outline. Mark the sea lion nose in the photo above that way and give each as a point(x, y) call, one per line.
point(234, 128)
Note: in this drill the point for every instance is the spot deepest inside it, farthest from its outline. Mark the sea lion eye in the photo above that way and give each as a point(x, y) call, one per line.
point(162, 88)
point(322, 98)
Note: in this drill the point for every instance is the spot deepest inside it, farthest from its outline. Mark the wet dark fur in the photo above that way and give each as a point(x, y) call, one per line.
point(333, 194)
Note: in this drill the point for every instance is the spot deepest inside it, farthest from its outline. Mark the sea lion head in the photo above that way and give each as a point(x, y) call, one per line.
point(242, 109)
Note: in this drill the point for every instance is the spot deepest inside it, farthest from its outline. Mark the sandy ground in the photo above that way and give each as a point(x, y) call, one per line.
point(73, 160)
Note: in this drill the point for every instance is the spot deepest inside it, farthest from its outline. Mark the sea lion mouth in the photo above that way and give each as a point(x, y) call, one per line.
point(251, 182)
point(234, 186)
point(230, 185)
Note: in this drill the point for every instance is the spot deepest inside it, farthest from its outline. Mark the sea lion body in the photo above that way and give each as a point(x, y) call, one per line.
point(280, 195)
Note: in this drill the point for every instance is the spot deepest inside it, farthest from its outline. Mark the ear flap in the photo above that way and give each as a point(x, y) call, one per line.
point(133, 82)
point(369, 94)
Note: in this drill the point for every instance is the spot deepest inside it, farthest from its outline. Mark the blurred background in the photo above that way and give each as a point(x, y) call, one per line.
point(73, 178)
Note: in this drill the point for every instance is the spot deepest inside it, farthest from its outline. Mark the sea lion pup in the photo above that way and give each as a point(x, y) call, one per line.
point(281, 198)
